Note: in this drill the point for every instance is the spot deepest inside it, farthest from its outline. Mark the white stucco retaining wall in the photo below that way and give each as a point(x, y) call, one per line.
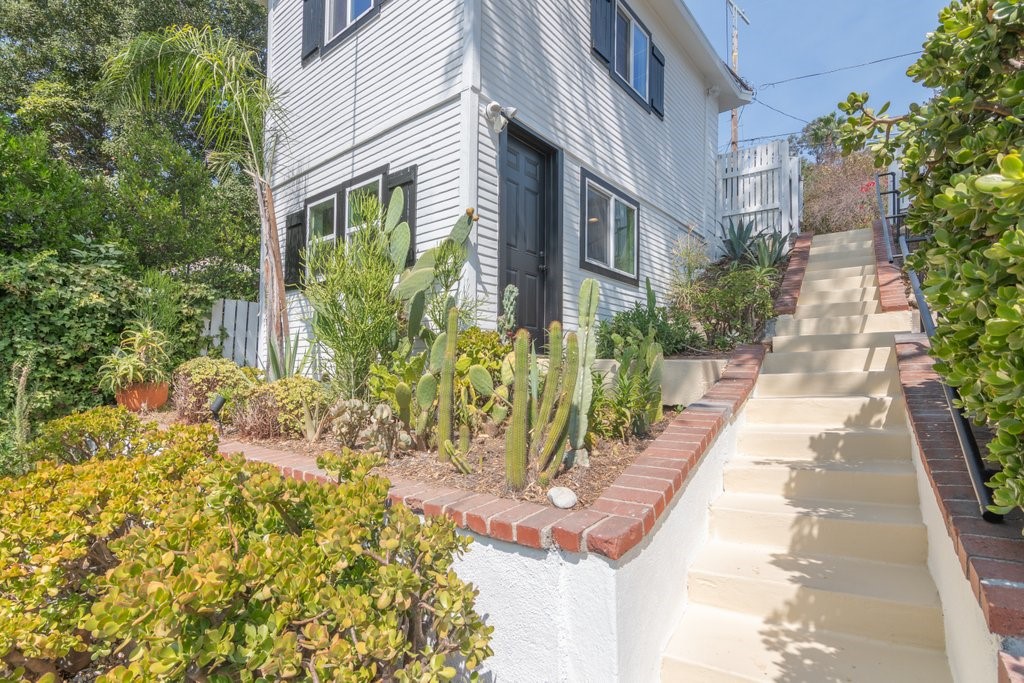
point(971, 649)
point(570, 617)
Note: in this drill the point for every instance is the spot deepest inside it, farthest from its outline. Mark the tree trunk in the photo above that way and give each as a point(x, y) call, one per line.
point(273, 271)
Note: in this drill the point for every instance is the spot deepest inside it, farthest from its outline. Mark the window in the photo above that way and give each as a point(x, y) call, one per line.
point(610, 230)
point(354, 199)
point(320, 222)
point(632, 50)
point(343, 13)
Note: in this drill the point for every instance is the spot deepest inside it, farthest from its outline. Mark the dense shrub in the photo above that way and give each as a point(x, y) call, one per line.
point(100, 433)
point(964, 177)
point(58, 522)
point(839, 194)
point(672, 331)
point(732, 304)
point(187, 566)
point(197, 381)
point(66, 315)
point(279, 408)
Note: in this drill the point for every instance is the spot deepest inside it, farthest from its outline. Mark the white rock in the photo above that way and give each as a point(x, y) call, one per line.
point(562, 497)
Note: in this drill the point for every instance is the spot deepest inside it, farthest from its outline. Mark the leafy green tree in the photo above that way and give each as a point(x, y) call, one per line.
point(961, 155)
point(216, 85)
point(820, 138)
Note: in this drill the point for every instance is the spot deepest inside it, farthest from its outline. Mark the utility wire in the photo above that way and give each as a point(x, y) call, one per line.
point(841, 68)
point(779, 111)
point(777, 136)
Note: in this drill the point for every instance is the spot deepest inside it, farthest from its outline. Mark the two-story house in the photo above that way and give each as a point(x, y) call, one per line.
point(583, 131)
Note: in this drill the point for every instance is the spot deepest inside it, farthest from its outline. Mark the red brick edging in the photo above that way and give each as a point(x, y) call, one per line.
point(789, 292)
point(891, 290)
point(991, 555)
point(1011, 668)
point(616, 522)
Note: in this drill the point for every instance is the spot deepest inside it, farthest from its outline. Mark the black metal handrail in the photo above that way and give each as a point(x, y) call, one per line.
point(964, 432)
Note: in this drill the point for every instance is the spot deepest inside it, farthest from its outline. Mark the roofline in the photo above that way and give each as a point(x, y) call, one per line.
point(733, 91)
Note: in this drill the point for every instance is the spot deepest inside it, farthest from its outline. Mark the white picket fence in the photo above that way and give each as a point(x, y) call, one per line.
point(234, 329)
point(762, 184)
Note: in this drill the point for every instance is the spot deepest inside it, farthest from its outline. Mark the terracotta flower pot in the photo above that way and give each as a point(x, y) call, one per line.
point(148, 395)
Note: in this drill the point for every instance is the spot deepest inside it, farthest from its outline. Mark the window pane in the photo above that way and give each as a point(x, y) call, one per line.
point(641, 53)
point(625, 238)
point(622, 44)
point(321, 220)
point(360, 7)
point(598, 206)
point(337, 16)
point(360, 203)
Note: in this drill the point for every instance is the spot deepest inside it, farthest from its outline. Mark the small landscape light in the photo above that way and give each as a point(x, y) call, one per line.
point(215, 407)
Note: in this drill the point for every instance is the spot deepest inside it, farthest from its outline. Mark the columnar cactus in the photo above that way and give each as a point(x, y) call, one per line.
point(516, 440)
point(553, 449)
point(553, 380)
point(584, 391)
point(446, 383)
point(403, 397)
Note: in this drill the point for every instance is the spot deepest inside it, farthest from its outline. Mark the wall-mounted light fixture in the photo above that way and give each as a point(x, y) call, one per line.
point(499, 116)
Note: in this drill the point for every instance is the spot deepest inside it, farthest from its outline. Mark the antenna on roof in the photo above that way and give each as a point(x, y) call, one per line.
point(734, 15)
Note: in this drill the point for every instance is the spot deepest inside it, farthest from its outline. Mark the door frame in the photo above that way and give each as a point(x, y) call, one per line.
point(553, 212)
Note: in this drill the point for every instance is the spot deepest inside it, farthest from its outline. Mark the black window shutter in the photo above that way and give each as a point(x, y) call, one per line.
point(312, 26)
point(602, 28)
point(294, 245)
point(406, 179)
point(657, 81)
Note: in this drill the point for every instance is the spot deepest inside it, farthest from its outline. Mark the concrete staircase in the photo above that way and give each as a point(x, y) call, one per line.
point(815, 568)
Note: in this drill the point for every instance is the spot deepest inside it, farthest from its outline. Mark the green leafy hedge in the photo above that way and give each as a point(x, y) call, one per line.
point(184, 565)
point(965, 179)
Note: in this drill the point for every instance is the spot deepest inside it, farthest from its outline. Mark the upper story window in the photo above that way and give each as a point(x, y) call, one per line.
point(624, 44)
point(610, 234)
point(632, 50)
point(343, 13)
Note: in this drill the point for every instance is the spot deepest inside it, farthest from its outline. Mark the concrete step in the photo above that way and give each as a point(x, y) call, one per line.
point(812, 443)
point(841, 309)
point(837, 360)
point(840, 247)
point(895, 603)
point(871, 383)
point(869, 531)
point(897, 321)
point(718, 646)
point(850, 259)
point(812, 296)
point(848, 271)
point(831, 342)
point(870, 481)
point(827, 412)
point(845, 237)
point(833, 284)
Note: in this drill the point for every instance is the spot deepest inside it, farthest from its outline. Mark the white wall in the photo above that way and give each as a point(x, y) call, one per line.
point(537, 57)
point(567, 617)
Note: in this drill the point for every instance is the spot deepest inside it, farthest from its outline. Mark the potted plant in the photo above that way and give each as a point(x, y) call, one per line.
point(136, 372)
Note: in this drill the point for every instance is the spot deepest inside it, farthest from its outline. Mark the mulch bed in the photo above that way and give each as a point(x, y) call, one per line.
point(487, 458)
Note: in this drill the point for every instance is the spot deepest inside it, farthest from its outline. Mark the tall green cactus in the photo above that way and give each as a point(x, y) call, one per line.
point(552, 450)
point(403, 397)
point(516, 440)
point(446, 383)
point(587, 346)
point(554, 377)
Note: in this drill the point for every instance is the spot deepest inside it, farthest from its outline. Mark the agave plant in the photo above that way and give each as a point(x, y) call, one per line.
point(736, 239)
point(767, 250)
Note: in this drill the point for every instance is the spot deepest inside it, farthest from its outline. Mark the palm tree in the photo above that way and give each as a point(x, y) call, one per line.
point(216, 85)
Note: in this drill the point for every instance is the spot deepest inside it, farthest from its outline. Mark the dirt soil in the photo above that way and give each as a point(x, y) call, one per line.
point(487, 458)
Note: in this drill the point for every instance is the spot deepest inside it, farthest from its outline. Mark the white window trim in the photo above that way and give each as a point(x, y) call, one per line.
point(379, 179)
point(610, 228)
point(633, 24)
point(328, 34)
point(333, 200)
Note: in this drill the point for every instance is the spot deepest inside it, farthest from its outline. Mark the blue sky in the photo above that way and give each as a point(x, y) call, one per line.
point(789, 38)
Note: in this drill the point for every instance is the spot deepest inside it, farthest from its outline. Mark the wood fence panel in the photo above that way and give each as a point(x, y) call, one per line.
point(234, 330)
point(761, 184)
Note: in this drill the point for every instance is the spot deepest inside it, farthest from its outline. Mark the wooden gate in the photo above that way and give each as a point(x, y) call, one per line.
point(761, 184)
point(234, 329)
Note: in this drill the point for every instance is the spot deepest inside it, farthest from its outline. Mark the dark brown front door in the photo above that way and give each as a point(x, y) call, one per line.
point(529, 232)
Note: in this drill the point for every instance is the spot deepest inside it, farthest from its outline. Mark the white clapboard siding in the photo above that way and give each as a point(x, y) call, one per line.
point(234, 330)
point(762, 184)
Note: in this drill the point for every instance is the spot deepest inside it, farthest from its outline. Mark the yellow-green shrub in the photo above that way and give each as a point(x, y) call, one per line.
point(103, 433)
point(56, 526)
point(279, 408)
point(197, 381)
